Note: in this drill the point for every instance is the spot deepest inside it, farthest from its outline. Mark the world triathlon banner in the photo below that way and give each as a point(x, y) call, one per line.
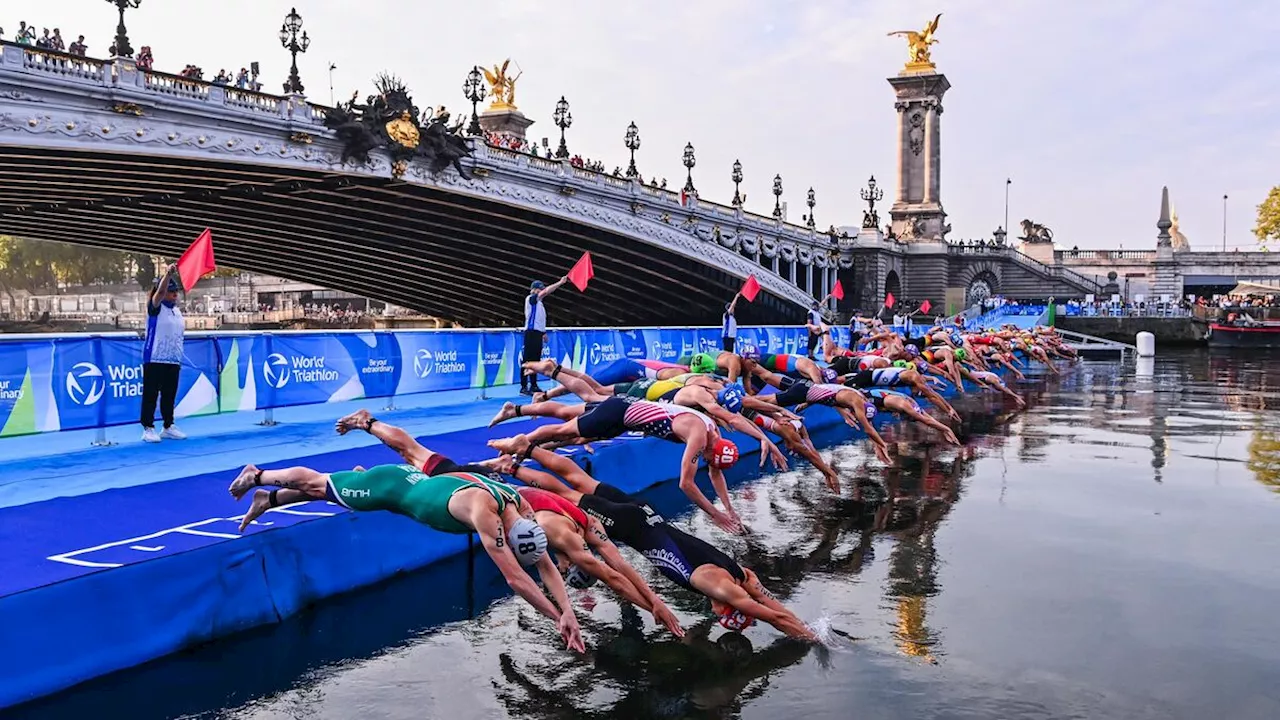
point(78, 382)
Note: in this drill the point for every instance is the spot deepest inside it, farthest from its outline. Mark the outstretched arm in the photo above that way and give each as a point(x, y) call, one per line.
point(689, 484)
point(742, 425)
point(552, 287)
point(598, 540)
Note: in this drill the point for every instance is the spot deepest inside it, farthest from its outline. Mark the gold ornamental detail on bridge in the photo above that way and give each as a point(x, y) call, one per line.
point(919, 58)
point(502, 87)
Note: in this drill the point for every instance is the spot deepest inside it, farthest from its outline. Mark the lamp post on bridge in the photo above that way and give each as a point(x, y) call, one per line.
point(689, 161)
point(737, 179)
point(474, 92)
point(811, 201)
point(632, 139)
point(871, 195)
point(290, 40)
point(777, 196)
point(563, 119)
point(122, 46)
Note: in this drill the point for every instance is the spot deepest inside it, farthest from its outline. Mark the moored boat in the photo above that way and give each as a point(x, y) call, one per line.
point(1262, 335)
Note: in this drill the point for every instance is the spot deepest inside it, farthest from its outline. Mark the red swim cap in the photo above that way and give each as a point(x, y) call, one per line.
point(723, 454)
point(730, 617)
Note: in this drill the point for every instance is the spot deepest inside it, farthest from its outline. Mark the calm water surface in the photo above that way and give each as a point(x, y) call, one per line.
point(1113, 552)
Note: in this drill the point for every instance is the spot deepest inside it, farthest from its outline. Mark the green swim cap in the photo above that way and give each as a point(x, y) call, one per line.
point(961, 354)
point(901, 364)
point(702, 363)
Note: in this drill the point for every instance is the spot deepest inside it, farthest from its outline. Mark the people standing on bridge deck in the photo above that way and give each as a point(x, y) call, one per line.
point(162, 358)
point(535, 330)
point(729, 325)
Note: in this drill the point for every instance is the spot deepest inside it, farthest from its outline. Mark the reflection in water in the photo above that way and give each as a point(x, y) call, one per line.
point(1099, 593)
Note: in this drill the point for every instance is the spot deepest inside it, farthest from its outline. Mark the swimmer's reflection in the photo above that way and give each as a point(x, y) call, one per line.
point(656, 677)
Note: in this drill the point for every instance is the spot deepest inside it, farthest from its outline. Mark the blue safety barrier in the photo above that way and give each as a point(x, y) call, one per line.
point(79, 382)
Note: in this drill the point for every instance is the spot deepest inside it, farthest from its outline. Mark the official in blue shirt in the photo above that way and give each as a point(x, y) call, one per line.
point(535, 330)
point(729, 326)
point(162, 358)
point(814, 323)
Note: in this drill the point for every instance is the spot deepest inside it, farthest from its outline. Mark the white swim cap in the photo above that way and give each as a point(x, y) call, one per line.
point(578, 579)
point(528, 541)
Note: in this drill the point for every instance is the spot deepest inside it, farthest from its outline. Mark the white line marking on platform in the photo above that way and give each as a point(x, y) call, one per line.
point(144, 548)
point(205, 533)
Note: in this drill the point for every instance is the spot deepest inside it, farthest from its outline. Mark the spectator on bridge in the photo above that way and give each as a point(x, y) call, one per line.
point(242, 79)
point(26, 35)
point(729, 325)
point(79, 48)
point(145, 59)
point(56, 42)
point(162, 358)
point(535, 330)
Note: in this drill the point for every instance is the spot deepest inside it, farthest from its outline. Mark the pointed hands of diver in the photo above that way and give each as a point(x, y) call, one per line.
point(664, 617)
point(728, 522)
point(883, 453)
point(775, 455)
point(570, 632)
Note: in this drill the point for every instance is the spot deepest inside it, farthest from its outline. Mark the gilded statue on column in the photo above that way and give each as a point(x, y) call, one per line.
point(502, 87)
point(918, 46)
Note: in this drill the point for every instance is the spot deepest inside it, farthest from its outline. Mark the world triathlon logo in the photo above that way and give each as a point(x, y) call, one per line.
point(423, 363)
point(601, 353)
point(275, 370)
point(85, 384)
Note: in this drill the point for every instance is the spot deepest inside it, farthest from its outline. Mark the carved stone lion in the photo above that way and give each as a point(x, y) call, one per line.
point(1035, 232)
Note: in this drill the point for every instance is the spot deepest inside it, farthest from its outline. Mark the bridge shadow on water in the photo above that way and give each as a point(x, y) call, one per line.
point(798, 533)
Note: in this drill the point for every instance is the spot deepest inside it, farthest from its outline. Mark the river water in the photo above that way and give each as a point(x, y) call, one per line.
point(1112, 552)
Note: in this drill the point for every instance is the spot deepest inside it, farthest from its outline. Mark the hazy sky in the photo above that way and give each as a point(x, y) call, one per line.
point(1089, 106)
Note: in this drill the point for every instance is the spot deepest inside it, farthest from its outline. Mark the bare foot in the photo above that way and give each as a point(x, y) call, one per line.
point(542, 367)
point(540, 396)
point(513, 445)
point(261, 503)
point(243, 482)
point(507, 412)
point(504, 464)
point(357, 420)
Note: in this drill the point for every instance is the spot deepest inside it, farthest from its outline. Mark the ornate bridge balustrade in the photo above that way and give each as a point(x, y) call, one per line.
point(104, 153)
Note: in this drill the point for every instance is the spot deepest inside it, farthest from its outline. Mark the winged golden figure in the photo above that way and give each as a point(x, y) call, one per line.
point(918, 42)
point(502, 87)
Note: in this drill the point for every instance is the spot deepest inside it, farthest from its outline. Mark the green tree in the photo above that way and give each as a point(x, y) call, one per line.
point(1268, 227)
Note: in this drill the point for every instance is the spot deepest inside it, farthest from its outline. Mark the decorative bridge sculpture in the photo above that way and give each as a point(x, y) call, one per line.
point(116, 126)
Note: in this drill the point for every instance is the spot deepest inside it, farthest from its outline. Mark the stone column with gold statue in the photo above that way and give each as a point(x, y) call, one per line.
point(917, 214)
point(502, 116)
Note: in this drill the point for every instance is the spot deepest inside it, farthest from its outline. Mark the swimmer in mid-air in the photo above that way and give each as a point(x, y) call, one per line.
point(737, 597)
point(459, 503)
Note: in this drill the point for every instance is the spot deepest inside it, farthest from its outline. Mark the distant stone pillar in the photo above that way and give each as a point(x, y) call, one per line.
point(1167, 281)
point(917, 214)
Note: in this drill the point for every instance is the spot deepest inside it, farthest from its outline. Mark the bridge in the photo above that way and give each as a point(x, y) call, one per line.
point(105, 153)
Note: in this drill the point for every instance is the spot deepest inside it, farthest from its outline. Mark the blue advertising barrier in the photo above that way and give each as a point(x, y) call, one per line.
point(95, 381)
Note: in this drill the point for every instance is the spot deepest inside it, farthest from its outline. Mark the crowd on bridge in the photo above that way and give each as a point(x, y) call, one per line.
point(48, 40)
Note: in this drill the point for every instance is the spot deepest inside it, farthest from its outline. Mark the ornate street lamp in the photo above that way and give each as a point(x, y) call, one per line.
point(811, 201)
point(1000, 235)
point(290, 41)
point(563, 119)
point(632, 140)
point(737, 179)
point(777, 196)
point(871, 195)
point(122, 36)
point(473, 90)
point(689, 161)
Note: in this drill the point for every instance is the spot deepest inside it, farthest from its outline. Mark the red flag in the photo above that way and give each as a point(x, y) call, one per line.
point(837, 292)
point(889, 300)
point(684, 198)
point(582, 272)
point(750, 288)
point(197, 261)
point(924, 306)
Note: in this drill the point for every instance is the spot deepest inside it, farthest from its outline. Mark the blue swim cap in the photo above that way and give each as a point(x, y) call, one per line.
point(957, 338)
point(870, 407)
point(730, 398)
point(829, 375)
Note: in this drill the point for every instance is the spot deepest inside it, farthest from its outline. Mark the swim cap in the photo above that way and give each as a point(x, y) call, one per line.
point(901, 364)
point(913, 351)
point(751, 352)
point(730, 398)
point(957, 339)
point(730, 617)
point(723, 454)
point(528, 541)
point(702, 363)
point(577, 579)
point(870, 407)
point(961, 354)
point(829, 375)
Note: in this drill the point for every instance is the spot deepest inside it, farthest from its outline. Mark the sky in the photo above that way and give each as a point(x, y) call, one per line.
point(1090, 106)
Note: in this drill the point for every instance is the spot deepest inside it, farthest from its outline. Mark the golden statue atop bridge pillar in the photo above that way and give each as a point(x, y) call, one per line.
point(918, 56)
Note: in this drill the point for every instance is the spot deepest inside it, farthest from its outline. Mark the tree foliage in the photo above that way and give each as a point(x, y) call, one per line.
point(1268, 227)
point(35, 266)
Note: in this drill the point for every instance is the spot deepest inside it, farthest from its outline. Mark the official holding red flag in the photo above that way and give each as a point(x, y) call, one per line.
point(535, 330)
point(162, 358)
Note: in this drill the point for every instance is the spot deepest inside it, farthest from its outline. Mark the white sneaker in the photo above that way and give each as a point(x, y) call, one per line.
point(150, 435)
point(173, 433)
